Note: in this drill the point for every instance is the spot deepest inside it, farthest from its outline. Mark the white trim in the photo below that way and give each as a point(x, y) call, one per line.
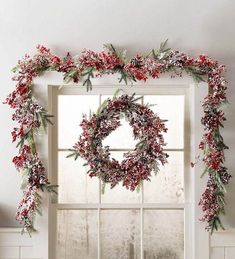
point(10, 230)
point(157, 206)
point(201, 240)
point(52, 168)
point(195, 236)
point(223, 238)
point(142, 89)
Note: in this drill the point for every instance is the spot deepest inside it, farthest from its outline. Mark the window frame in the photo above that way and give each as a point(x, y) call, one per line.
point(191, 116)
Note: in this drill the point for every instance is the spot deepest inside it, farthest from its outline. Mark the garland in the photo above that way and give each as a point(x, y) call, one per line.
point(31, 116)
point(137, 165)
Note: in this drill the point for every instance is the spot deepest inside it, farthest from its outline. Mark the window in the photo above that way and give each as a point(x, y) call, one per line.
point(151, 223)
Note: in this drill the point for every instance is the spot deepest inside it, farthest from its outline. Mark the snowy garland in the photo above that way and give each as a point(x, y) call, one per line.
point(31, 116)
point(137, 165)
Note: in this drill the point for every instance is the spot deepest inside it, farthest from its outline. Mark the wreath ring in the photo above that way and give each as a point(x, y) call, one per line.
point(137, 165)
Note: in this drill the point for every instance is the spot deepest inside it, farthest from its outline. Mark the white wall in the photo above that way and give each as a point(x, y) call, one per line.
point(223, 245)
point(202, 26)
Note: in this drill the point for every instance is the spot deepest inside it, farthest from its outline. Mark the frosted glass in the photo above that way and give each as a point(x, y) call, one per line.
point(120, 234)
point(70, 111)
point(168, 185)
point(122, 137)
point(163, 234)
point(171, 108)
point(77, 233)
point(75, 186)
point(119, 194)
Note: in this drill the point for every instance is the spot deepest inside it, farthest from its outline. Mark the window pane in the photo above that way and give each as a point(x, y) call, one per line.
point(171, 108)
point(77, 234)
point(75, 186)
point(122, 137)
point(163, 234)
point(120, 234)
point(168, 185)
point(70, 111)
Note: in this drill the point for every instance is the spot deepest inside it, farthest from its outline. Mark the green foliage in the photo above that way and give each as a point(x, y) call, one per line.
point(103, 185)
point(87, 82)
point(139, 186)
point(162, 52)
point(74, 153)
point(120, 53)
point(51, 188)
point(71, 75)
point(102, 106)
point(196, 73)
point(156, 167)
point(125, 77)
point(15, 69)
point(215, 224)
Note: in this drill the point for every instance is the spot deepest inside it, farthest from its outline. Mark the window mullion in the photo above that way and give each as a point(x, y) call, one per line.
point(142, 213)
point(98, 238)
point(99, 210)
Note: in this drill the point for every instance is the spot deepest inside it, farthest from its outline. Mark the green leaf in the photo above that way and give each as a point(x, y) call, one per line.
point(20, 143)
point(116, 93)
point(162, 52)
point(138, 188)
point(138, 98)
point(110, 47)
point(163, 45)
point(15, 69)
point(74, 154)
point(196, 73)
point(204, 172)
point(102, 106)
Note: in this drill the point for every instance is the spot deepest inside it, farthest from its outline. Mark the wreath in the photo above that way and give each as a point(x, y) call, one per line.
point(31, 116)
point(137, 165)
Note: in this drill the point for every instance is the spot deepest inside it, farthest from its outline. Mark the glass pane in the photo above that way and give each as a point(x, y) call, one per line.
point(122, 137)
point(163, 234)
point(119, 194)
point(77, 234)
point(168, 185)
point(171, 108)
point(120, 234)
point(75, 186)
point(70, 111)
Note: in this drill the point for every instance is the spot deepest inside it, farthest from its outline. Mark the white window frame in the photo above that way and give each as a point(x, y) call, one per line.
point(196, 239)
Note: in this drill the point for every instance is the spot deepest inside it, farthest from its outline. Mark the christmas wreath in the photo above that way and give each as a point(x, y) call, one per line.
point(31, 116)
point(138, 164)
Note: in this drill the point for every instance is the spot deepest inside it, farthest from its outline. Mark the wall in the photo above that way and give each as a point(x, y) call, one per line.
point(195, 27)
point(15, 246)
point(223, 245)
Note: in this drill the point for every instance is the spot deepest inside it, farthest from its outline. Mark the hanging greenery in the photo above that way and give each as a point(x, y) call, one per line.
point(31, 116)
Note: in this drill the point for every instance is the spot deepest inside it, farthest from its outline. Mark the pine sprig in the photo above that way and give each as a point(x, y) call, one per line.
point(196, 73)
point(74, 154)
point(89, 74)
point(162, 52)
